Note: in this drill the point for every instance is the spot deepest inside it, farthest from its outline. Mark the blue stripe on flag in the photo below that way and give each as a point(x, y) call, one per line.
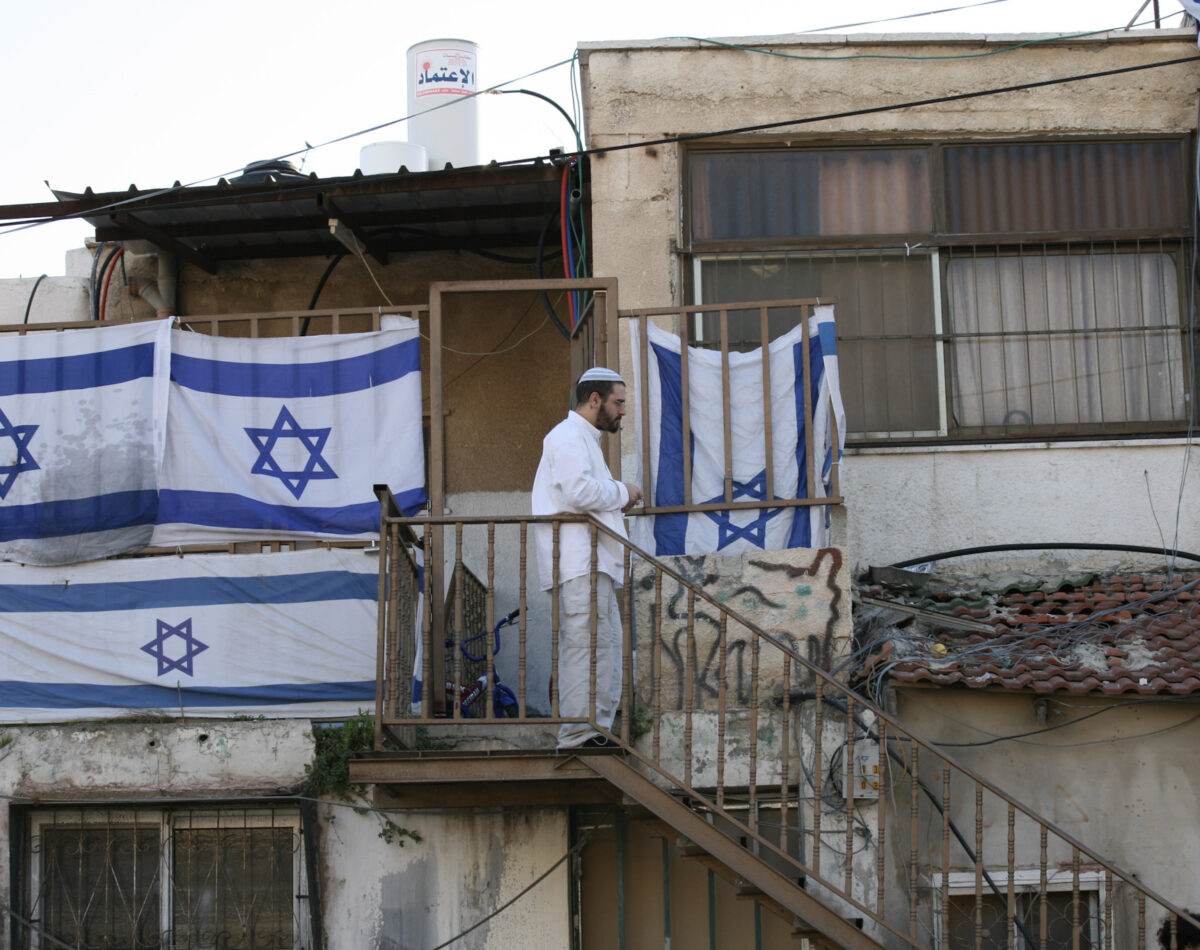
point(801, 535)
point(51, 519)
point(237, 511)
point(19, 694)
point(669, 530)
point(187, 592)
point(81, 371)
point(291, 380)
point(224, 510)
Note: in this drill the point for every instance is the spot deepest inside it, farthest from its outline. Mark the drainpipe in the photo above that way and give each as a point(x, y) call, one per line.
point(160, 293)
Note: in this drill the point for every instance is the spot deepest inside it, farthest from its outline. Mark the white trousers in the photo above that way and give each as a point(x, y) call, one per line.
point(574, 656)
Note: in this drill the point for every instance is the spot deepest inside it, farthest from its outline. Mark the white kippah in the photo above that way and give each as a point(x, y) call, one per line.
point(597, 373)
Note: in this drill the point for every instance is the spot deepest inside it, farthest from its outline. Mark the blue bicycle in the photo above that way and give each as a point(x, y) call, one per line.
point(504, 701)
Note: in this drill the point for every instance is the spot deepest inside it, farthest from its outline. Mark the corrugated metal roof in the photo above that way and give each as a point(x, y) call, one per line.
point(486, 207)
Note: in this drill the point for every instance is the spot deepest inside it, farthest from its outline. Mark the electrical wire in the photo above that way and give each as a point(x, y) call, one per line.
point(29, 303)
point(308, 147)
point(905, 16)
point(1063, 725)
point(1036, 546)
point(1054, 38)
point(934, 801)
point(108, 272)
point(42, 932)
point(575, 849)
point(537, 95)
point(96, 257)
point(644, 143)
point(540, 260)
point(98, 276)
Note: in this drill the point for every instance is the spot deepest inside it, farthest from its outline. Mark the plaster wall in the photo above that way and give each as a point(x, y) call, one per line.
point(56, 298)
point(376, 894)
point(904, 502)
point(908, 502)
point(1120, 782)
point(648, 90)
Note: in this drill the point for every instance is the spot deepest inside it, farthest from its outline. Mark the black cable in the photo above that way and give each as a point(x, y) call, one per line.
point(29, 302)
point(100, 279)
point(312, 304)
point(92, 297)
point(1062, 725)
point(970, 852)
point(1043, 546)
point(508, 258)
point(132, 204)
point(538, 95)
point(541, 248)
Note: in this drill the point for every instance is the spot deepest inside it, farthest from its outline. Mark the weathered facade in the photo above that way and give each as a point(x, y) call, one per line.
point(925, 471)
point(719, 173)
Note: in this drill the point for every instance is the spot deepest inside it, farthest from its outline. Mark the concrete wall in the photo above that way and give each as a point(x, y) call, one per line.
point(376, 894)
point(910, 502)
point(900, 502)
point(1120, 782)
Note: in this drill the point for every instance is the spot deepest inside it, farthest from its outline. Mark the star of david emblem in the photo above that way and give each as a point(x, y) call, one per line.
point(311, 440)
point(157, 647)
point(756, 530)
point(22, 461)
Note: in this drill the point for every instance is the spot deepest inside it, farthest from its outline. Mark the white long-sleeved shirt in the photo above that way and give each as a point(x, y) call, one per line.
point(573, 478)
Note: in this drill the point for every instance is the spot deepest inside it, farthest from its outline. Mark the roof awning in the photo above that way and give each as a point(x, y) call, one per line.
point(486, 207)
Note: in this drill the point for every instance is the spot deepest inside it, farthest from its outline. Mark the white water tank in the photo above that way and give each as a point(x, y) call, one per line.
point(443, 108)
point(386, 158)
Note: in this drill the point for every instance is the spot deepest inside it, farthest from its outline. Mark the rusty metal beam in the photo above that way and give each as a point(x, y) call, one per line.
point(416, 768)
point(404, 245)
point(534, 210)
point(164, 241)
point(479, 792)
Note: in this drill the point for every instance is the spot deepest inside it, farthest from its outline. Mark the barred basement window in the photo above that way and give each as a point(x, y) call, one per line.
point(1052, 919)
point(184, 879)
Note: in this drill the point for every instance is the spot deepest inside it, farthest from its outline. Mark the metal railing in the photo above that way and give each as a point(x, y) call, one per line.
point(928, 852)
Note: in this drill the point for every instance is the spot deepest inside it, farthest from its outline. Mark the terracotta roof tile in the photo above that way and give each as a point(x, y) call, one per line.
point(1136, 633)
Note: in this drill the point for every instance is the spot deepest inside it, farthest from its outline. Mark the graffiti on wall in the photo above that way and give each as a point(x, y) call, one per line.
point(796, 597)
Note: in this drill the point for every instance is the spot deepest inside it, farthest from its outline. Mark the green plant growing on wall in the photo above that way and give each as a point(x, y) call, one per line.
point(640, 723)
point(328, 775)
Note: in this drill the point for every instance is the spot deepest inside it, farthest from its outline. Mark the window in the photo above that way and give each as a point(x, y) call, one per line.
point(984, 290)
point(145, 879)
point(1060, 906)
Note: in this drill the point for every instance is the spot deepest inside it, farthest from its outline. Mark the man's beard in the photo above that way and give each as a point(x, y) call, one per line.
point(606, 422)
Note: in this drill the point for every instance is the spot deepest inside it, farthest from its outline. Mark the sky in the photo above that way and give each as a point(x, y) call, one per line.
point(149, 92)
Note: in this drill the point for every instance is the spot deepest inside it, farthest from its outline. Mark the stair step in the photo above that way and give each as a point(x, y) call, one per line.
point(694, 852)
point(717, 845)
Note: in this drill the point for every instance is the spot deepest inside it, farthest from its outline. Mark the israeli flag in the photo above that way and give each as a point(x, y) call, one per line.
point(286, 634)
point(81, 437)
point(288, 436)
point(739, 531)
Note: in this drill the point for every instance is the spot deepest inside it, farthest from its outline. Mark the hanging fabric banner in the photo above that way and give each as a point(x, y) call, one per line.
point(283, 634)
point(81, 438)
point(288, 437)
point(737, 531)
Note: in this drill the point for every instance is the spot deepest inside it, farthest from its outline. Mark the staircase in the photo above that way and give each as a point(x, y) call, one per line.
point(844, 870)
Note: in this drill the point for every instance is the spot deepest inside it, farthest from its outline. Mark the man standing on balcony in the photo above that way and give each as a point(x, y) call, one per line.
point(573, 478)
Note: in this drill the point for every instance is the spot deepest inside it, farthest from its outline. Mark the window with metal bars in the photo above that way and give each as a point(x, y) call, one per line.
point(983, 290)
point(152, 879)
point(1059, 916)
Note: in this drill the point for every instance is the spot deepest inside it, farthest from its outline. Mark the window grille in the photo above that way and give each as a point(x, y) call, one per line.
point(984, 290)
point(1046, 916)
point(153, 879)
